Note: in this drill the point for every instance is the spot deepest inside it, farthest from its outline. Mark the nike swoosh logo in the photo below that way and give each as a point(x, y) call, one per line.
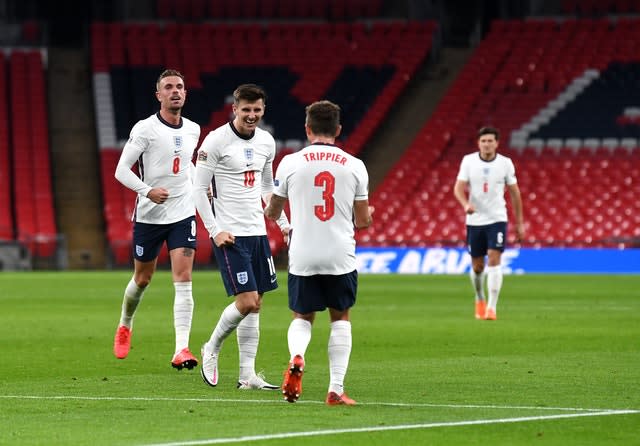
point(189, 239)
point(176, 151)
point(274, 279)
point(249, 164)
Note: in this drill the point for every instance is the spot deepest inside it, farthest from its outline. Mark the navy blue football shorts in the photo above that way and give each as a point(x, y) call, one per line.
point(322, 291)
point(148, 238)
point(485, 237)
point(247, 265)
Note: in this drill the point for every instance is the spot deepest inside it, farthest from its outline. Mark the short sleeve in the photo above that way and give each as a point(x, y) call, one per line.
point(511, 173)
point(280, 182)
point(362, 187)
point(463, 173)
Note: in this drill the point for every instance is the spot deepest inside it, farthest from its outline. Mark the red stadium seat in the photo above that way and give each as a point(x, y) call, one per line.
point(488, 86)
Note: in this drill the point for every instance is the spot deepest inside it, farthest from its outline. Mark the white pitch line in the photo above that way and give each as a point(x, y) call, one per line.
point(391, 428)
point(278, 401)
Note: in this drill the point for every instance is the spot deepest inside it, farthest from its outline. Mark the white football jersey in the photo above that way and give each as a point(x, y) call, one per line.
point(164, 154)
point(321, 182)
point(240, 170)
point(487, 181)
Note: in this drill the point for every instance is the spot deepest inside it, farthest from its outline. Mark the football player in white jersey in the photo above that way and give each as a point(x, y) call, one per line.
point(236, 160)
point(479, 189)
point(163, 146)
point(328, 193)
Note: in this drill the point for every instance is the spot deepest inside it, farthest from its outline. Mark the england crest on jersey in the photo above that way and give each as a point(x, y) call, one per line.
point(243, 277)
point(139, 250)
point(248, 153)
point(177, 141)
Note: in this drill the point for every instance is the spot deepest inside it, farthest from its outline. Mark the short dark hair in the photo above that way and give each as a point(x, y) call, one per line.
point(249, 92)
point(167, 73)
point(323, 118)
point(489, 131)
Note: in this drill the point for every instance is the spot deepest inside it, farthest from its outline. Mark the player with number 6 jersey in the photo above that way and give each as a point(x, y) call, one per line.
point(479, 188)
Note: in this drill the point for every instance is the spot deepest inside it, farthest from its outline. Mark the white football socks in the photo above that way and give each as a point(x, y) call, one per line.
point(248, 333)
point(132, 297)
point(494, 282)
point(182, 313)
point(339, 352)
point(298, 337)
point(229, 320)
point(477, 281)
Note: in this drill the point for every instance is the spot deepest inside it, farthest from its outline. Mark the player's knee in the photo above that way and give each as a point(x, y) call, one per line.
point(142, 278)
point(247, 308)
point(143, 281)
point(478, 266)
point(248, 302)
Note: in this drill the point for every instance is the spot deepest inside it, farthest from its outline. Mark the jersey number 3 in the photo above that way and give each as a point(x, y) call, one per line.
point(328, 182)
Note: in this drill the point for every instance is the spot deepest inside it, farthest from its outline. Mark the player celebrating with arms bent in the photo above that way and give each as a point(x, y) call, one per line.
point(238, 157)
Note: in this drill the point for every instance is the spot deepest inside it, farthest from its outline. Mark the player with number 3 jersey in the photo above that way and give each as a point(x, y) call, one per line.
point(322, 182)
point(328, 195)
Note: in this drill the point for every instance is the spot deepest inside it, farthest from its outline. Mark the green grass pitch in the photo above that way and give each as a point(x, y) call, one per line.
point(560, 366)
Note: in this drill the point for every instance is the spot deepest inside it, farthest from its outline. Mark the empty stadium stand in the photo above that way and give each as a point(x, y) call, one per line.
point(6, 206)
point(337, 10)
point(26, 198)
point(362, 67)
point(564, 94)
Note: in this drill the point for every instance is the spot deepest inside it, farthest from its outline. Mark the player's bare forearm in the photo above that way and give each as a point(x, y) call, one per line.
point(362, 214)
point(459, 191)
point(274, 207)
point(516, 201)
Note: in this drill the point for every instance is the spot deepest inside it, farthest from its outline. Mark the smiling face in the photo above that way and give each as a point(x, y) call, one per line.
point(171, 94)
point(247, 115)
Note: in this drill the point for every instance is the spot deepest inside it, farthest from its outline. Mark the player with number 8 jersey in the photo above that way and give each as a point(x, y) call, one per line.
point(162, 145)
point(164, 152)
